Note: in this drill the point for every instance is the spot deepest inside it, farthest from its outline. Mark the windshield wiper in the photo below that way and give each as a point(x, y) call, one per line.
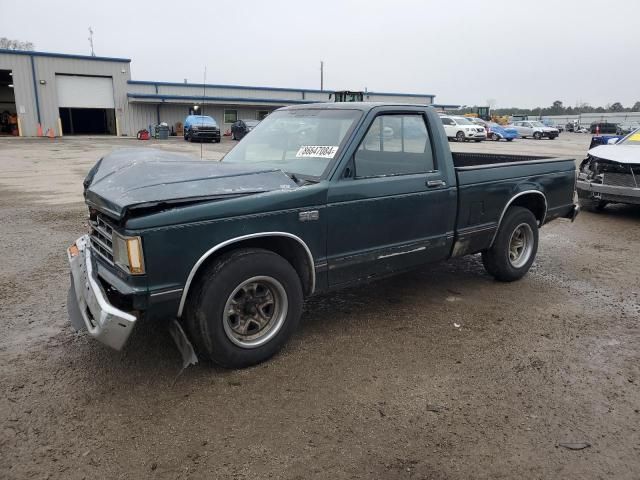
point(299, 181)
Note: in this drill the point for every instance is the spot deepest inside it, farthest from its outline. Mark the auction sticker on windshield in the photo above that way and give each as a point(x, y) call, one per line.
point(317, 151)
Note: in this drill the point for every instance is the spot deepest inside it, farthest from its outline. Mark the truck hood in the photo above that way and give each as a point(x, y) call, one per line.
point(627, 154)
point(134, 180)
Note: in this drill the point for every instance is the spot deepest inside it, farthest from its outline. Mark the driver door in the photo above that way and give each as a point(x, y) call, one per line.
point(392, 208)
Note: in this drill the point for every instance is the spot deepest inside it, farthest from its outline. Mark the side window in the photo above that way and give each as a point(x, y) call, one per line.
point(230, 116)
point(394, 145)
point(447, 121)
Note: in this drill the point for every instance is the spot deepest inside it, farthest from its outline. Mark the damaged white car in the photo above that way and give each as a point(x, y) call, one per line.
point(611, 174)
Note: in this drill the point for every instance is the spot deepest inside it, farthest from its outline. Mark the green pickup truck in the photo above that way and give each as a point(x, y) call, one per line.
point(316, 197)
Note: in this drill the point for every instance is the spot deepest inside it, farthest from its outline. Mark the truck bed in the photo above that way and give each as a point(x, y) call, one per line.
point(481, 168)
point(487, 182)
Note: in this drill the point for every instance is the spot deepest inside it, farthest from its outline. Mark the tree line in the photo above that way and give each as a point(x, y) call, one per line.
point(559, 109)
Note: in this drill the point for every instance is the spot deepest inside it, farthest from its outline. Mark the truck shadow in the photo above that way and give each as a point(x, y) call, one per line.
point(152, 357)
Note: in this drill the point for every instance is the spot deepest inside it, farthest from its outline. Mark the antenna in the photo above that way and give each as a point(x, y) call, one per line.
point(204, 89)
point(93, 54)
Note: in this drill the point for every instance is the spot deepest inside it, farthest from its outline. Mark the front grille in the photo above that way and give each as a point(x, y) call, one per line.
point(207, 129)
point(102, 238)
point(620, 179)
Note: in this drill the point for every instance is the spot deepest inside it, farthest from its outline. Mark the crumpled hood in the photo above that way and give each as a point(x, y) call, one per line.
point(628, 154)
point(140, 178)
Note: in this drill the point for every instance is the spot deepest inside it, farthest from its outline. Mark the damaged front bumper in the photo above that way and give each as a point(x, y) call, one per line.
point(88, 304)
point(609, 193)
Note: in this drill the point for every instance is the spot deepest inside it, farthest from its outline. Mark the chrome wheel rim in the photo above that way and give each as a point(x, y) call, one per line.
point(520, 245)
point(255, 311)
point(460, 137)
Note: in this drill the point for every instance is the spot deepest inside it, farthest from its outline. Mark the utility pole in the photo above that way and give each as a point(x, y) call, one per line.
point(93, 54)
point(321, 75)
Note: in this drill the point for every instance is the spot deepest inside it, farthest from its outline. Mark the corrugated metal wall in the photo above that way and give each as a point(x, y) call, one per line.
point(20, 65)
point(46, 67)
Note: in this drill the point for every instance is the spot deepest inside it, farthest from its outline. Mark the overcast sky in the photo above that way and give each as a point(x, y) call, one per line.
point(465, 52)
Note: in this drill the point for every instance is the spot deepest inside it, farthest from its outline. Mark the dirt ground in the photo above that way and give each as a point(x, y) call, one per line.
point(378, 383)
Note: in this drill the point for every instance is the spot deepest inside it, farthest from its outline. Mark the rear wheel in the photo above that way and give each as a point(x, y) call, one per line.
point(244, 308)
point(509, 139)
point(460, 137)
point(515, 246)
point(233, 136)
point(495, 136)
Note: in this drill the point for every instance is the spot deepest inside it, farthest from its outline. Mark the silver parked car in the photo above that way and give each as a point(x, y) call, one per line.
point(535, 129)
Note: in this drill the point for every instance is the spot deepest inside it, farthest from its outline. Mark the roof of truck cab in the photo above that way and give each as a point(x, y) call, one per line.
point(363, 106)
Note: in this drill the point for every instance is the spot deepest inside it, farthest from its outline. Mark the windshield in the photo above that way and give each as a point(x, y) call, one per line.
point(302, 142)
point(631, 139)
point(462, 121)
point(203, 120)
point(537, 124)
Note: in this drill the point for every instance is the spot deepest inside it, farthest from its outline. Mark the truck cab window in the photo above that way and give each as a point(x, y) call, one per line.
point(394, 145)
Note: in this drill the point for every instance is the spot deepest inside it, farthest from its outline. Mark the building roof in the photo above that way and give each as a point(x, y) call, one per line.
point(64, 55)
point(280, 89)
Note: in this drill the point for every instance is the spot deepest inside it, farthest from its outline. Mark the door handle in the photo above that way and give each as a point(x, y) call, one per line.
point(436, 183)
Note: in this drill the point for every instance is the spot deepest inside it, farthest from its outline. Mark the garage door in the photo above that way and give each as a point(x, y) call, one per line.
point(76, 91)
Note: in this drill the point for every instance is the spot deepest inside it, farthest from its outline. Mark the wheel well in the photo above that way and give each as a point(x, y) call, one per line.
point(535, 202)
point(288, 248)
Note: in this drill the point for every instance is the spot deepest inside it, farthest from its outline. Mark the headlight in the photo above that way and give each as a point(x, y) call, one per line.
point(127, 253)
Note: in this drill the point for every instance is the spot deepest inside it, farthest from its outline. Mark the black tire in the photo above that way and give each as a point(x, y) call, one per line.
point(537, 135)
point(509, 139)
point(217, 140)
point(460, 137)
point(552, 138)
point(495, 137)
point(477, 141)
point(205, 309)
point(497, 261)
point(185, 137)
point(233, 136)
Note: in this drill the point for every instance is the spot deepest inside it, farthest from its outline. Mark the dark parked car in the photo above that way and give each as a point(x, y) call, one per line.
point(240, 128)
point(231, 249)
point(201, 127)
point(603, 128)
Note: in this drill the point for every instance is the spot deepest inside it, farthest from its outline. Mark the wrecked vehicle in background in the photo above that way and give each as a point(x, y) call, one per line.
point(317, 197)
point(611, 174)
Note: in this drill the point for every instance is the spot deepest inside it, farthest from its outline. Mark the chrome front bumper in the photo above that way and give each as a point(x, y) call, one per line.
point(87, 302)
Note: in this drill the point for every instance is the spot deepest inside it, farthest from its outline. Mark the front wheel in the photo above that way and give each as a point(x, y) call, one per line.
point(495, 137)
point(244, 308)
point(515, 246)
point(509, 139)
point(460, 137)
point(537, 135)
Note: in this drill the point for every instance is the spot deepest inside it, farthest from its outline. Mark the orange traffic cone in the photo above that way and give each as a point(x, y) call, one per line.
point(39, 130)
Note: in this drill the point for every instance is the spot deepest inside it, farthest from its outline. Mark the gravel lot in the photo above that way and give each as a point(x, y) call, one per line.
point(378, 383)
